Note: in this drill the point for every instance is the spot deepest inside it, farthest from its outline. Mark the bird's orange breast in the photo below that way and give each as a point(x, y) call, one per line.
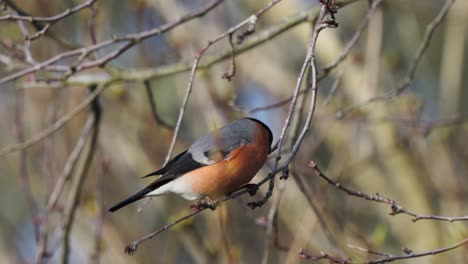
point(228, 175)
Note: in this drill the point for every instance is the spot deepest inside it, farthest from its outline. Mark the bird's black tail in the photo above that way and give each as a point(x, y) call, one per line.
point(140, 195)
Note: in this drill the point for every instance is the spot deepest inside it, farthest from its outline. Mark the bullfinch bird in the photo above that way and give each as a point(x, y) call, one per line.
point(215, 165)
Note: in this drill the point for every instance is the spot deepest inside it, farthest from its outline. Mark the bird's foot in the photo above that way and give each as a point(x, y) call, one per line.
point(252, 188)
point(208, 203)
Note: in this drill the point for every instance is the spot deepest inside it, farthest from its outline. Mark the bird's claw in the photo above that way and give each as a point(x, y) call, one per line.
point(251, 188)
point(131, 248)
point(204, 204)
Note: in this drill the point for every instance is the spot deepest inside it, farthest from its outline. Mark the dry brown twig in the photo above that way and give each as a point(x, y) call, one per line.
point(37, 21)
point(126, 41)
point(143, 74)
point(309, 60)
point(77, 186)
point(328, 68)
point(394, 206)
point(23, 165)
point(320, 24)
point(57, 125)
point(409, 254)
point(408, 79)
point(157, 118)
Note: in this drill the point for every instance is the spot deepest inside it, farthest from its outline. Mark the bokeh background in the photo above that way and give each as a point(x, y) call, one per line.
point(412, 148)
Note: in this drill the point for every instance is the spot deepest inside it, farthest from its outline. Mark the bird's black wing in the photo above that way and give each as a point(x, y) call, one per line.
point(179, 165)
point(176, 167)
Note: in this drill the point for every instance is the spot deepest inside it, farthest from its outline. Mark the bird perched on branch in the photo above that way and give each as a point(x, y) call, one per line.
point(215, 165)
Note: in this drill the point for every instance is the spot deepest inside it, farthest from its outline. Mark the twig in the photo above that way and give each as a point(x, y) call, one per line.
point(421, 126)
point(50, 19)
point(326, 69)
point(232, 71)
point(42, 252)
point(430, 29)
point(23, 164)
point(324, 256)
point(349, 46)
point(388, 258)
point(272, 215)
point(394, 206)
point(97, 249)
point(129, 40)
point(95, 256)
point(57, 125)
point(77, 185)
point(335, 85)
point(70, 164)
point(39, 26)
point(132, 247)
point(426, 126)
point(176, 68)
point(369, 251)
point(310, 59)
point(154, 111)
point(312, 201)
point(27, 44)
point(36, 21)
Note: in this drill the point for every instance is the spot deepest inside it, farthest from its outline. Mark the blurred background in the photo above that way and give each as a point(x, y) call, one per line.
point(412, 147)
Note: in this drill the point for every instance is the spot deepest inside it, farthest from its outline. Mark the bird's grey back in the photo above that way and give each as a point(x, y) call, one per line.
point(224, 139)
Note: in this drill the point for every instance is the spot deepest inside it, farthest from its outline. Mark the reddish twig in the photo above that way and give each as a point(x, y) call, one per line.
point(394, 206)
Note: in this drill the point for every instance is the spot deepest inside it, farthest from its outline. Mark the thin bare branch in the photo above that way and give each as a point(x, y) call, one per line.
point(77, 185)
point(430, 29)
point(154, 111)
point(349, 46)
point(309, 60)
point(394, 206)
point(23, 164)
point(50, 19)
point(70, 164)
point(409, 254)
point(56, 126)
point(129, 40)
